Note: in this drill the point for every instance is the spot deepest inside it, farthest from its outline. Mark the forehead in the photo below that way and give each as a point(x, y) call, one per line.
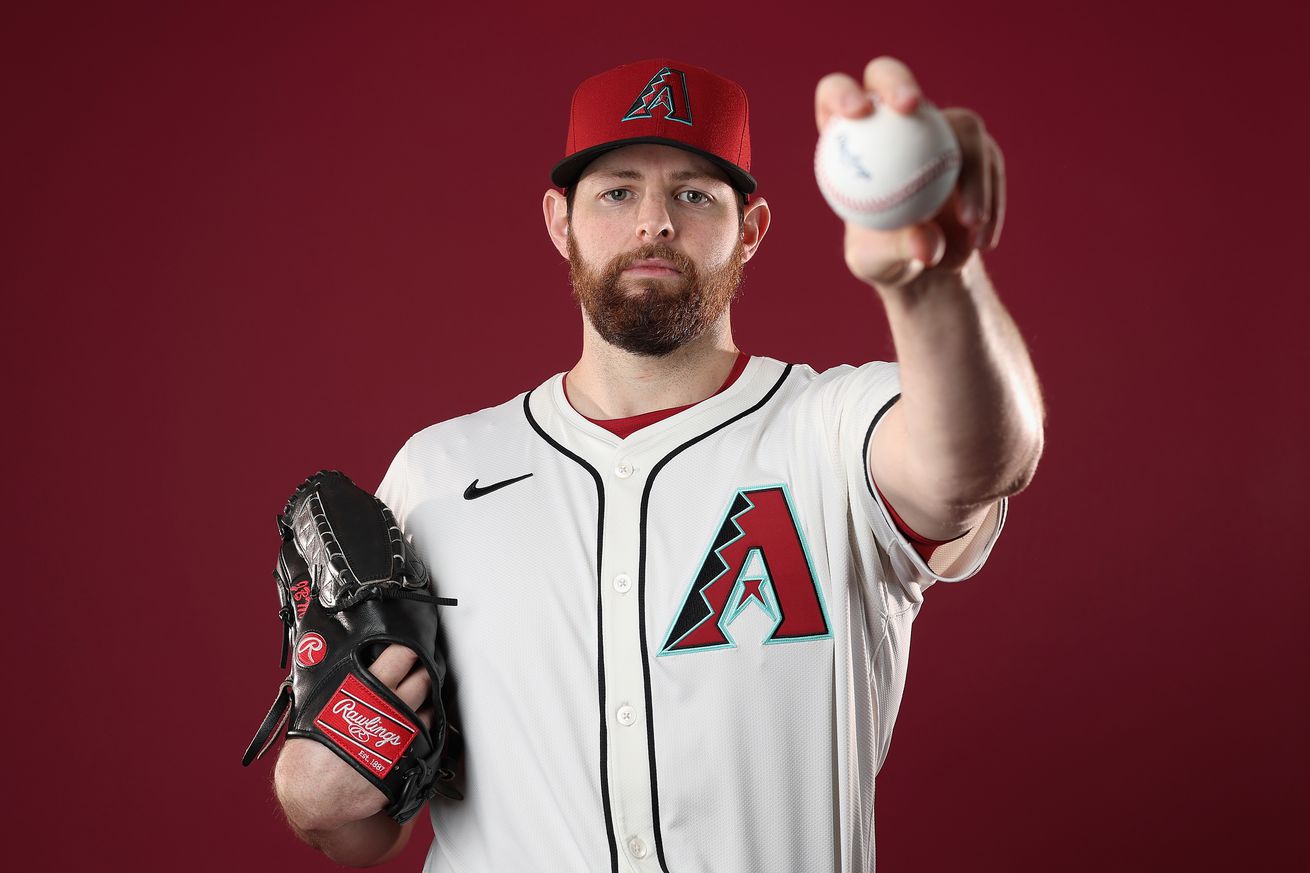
point(650, 161)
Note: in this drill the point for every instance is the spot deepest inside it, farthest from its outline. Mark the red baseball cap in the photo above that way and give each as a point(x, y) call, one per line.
point(664, 102)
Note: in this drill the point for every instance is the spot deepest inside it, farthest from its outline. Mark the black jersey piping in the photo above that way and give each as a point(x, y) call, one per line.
point(868, 474)
point(600, 627)
point(641, 603)
point(868, 437)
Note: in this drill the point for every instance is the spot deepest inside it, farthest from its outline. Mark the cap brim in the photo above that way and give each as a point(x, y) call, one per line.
point(568, 171)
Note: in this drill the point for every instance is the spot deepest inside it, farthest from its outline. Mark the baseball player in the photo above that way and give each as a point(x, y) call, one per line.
point(683, 576)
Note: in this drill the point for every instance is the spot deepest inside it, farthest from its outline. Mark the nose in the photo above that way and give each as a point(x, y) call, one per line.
point(653, 221)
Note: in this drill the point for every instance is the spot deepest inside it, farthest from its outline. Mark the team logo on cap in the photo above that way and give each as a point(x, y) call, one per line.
point(757, 559)
point(667, 88)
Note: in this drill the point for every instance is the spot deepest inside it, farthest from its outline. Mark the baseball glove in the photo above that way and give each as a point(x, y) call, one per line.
point(350, 586)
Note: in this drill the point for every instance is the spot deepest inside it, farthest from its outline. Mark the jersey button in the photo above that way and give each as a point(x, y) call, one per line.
point(626, 715)
point(624, 470)
point(622, 583)
point(636, 847)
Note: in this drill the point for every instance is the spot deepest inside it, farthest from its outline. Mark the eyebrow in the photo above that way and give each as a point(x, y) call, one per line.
point(679, 176)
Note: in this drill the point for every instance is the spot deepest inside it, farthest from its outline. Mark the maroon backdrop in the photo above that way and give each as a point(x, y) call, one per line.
point(243, 245)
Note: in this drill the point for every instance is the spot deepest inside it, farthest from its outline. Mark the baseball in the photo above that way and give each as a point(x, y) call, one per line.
point(887, 170)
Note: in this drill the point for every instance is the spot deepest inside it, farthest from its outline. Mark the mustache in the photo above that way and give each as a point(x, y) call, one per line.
point(649, 251)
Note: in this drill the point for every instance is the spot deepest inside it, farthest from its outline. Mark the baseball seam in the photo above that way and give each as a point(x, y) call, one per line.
point(925, 177)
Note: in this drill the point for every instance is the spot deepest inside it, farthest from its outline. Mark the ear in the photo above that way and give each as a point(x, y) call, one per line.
point(556, 210)
point(754, 225)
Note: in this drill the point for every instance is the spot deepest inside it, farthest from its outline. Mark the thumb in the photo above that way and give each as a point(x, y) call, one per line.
point(893, 258)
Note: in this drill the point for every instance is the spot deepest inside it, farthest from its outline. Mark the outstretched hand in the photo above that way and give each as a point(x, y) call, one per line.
point(972, 216)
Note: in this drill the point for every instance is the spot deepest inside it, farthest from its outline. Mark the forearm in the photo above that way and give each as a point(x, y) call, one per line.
point(972, 408)
point(334, 809)
point(361, 843)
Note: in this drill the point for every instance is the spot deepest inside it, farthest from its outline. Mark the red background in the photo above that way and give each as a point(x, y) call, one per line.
point(241, 245)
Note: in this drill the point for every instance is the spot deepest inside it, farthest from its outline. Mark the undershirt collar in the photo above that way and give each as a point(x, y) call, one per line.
point(625, 427)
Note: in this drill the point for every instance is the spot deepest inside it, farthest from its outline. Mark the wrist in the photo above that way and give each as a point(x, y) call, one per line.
point(318, 791)
point(934, 284)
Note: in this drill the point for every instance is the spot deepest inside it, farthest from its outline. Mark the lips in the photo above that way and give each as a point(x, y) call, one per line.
point(654, 266)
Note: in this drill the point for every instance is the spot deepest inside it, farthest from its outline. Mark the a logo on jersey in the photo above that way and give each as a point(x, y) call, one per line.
point(667, 88)
point(311, 649)
point(474, 491)
point(758, 558)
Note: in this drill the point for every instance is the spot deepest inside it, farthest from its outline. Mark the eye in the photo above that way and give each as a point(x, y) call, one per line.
point(694, 197)
point(615, 195)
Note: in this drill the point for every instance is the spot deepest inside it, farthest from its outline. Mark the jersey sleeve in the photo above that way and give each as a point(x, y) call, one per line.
point(858, 401)
point(394, 489)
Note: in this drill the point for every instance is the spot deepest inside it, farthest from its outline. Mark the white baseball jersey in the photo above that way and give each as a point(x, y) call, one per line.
point(682, 651)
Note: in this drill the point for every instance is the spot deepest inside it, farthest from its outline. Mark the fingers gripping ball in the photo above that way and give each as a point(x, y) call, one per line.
point(887, 170)
point(350, 586)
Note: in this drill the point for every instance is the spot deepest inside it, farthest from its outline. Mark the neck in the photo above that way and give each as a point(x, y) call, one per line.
point(608, 382)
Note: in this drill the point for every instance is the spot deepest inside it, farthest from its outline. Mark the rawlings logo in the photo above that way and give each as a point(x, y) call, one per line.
point(311, 649)
point(363, 728)
point(850, 158)
point(300, 596)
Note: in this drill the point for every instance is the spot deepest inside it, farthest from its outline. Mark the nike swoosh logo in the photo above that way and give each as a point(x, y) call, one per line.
point(473, 492)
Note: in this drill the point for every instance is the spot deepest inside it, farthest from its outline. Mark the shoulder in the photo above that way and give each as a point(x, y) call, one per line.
point(472, 424)
point(807, 375)
point(469, 436)
point(841, 385)
point(474, 428)
point(438, 456)
point(873, 371)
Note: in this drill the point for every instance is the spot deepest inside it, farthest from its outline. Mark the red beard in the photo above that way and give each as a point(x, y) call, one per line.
point(664, 314)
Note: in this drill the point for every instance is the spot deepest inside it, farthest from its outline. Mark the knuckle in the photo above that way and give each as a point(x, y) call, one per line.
point(886, 65)
point(833, 80)
point(833, 85)
point(398, 657)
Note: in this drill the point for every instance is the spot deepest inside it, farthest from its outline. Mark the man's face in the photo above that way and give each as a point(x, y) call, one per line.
point(655, 250)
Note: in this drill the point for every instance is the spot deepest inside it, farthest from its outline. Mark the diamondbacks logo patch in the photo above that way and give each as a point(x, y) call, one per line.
point(757, 559)
point(667, 88)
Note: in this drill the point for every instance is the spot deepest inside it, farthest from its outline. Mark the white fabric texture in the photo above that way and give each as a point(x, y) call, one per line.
point(683, 651)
